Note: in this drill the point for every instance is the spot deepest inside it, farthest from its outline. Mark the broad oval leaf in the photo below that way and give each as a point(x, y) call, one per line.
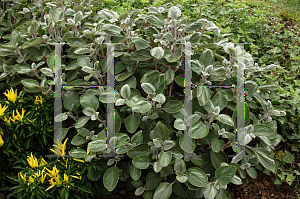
point(132, 122)
point(173, 106)
point(135, 173)
point(203, 95)
point(111, 178)
point(163, 191)
point(225, 174)
point(141, 162)
point(196, 177)
point(165, 158)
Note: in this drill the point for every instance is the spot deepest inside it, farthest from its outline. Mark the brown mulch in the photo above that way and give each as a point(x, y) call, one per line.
point(262, 187)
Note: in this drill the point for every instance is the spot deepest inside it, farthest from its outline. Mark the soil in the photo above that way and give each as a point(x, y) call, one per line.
point(262, 187)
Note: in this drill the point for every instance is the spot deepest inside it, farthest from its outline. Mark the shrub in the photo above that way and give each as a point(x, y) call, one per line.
point(149, 115)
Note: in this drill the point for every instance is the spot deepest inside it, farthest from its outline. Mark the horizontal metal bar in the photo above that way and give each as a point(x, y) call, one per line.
point(94, 86)
point(214, 86)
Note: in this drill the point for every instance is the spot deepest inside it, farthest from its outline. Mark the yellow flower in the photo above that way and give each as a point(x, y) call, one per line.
point(2, 110)
point(66, 178)
point(79, 178)
point(78, 160)
point(59, 148)
point(43, 178)
point(31, 120)
point(52, 184)
point(88, 151)
point(32, 161)
point(30, 180)
point(11, 95)
point(1, 141)
point(18, 117)
point(78, 173)
point(7, 120)
point(23, 177)
point(43, 162)
point(38, 101)
point(53, 173)
point(14, 136)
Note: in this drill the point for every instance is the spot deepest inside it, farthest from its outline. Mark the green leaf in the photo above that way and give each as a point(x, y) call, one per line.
point(170, 74)
point(71, 100)
point(21, 22)
point(15, 38)
point(47, 71)
point(155, 19)
point(152, 180)
point(6, 52)
point(180, 166)
point(83, 132)
point(263, 130)
point(196, 177)
point(78, 140)
point(203, 95)
point(111, 178)
point(172, 57)
point(157, 167)
point(189, 145)
point(140, 43)
point(139, 150)
point(57, 15)
point(198, 130)
point(197, 160)
point(161, 131)
point(132, 122)
point(207, 57)
point(31, 83)
point(60, 117)
point(163, 191)
point(50, 61)
point(196, 25)
point(94, 175)
point(217, 144)
point(141, 55)
point(81, 51)
point(174, 12)
point(225, 119)
point(142, 106)
point(218, 158)
point(121, 139)
point(78, 153)
point(210, 191)
point(179, 124)
point(141, 162)
point(160, 98)
point(125, 91)
point(148, 88)
point(97, 145)
point(173, 106)
point(252, 172)
point(165, 158)
point(220, 99)
point(76, 42)
point(89, 101)
point(139, 191)
point(135, 173)
point(236, 180)
point(81, 121)
point(33, 42)
point(265, 159)
point(157, 52)
point(197, 67)
point(124, 75)
point(225, 174)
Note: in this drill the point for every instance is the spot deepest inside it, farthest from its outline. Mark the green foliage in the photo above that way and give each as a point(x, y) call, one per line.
point(149, 107)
